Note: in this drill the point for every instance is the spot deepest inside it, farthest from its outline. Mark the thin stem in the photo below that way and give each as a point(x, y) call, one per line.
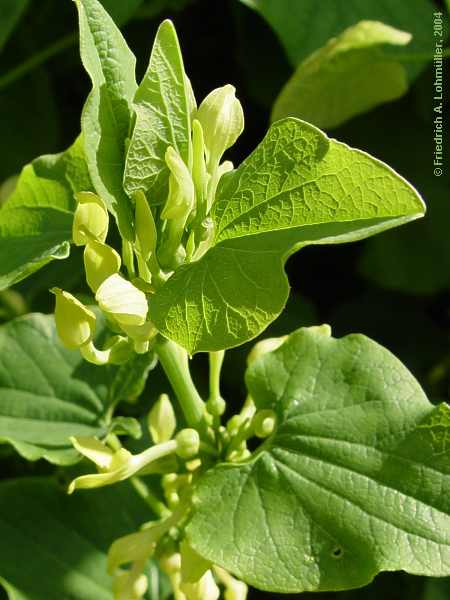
point(37, 59)
point(128, 258)
point(150, 498)
point(174, 361)
point(215, 367)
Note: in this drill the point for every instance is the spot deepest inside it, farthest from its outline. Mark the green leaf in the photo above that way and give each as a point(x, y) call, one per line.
point(49, 547)
point(36, 221)
point(302, 28)
point(162, 109)
point(12, 10)
point(106, 118)
point(348, 76)
point(354, 480)
point(50, 393)
point(297, 188)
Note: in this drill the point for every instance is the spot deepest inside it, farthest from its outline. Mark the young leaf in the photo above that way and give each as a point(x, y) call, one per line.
point(106, 118)
point(50, 393)
point(37, 516)
point(350, 75)
point(302, 28)
point(297, 188)
point(36, 221)
point(163, 106)
point(354, 480)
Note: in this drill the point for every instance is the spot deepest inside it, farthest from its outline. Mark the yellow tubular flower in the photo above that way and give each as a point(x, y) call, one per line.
point(234, 589)
point(193, 566)
point(130, 585)
point(134, 547)
point(115, 466)
point(122, 300)
point(204, 589)
point(100, 262)
point(74, 322)
point(91, 220)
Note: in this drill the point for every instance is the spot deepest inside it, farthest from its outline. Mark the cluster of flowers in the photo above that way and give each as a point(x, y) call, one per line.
point(182, 232)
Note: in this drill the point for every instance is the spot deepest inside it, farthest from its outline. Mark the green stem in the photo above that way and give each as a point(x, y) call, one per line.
point(174, 361)
point(128, 258)
point(215, 367)
point(150, 498)
point(37, 59)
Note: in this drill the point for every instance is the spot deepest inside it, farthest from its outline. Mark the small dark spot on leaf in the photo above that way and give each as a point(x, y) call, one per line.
point(337, 552)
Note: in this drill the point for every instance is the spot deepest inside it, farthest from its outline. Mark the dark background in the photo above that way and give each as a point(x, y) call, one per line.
point(394, 288)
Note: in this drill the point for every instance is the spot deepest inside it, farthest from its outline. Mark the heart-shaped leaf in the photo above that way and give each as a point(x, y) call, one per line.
point(50, 394)
point(297, 188)
point(354, 480)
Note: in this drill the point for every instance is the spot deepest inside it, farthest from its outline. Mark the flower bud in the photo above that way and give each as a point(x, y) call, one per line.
point(234, 424)
point(193, 566)
point(100, 262)
point(91, 220)
point(264, 423)
point(216, 406)
point(234, 589)
point(129, 586)
point(161, 420)
point(188, 443)
point(265, 346)
point(204, 589)
point(238, 590)
point(222, 120)
point(122, 300)
point(74, 322)
point(146, 234)
point(181, 198)
point(131, 548)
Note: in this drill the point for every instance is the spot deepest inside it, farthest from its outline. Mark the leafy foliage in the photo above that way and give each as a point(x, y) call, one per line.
point(36, 221)
point(338, 492)
point(42, 530)
point(348, 76)
point(163, 107)
point(106, 118)
point(336, 465)
point(302, 28)
point(297, 188)
point(50, 394)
